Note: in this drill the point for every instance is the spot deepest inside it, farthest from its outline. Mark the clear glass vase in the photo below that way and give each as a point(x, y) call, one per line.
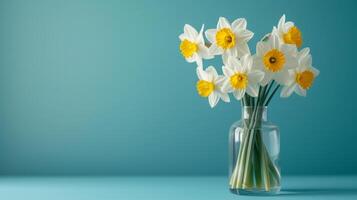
point(254, 147)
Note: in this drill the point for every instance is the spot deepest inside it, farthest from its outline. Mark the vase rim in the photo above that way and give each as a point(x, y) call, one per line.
point(254, 106)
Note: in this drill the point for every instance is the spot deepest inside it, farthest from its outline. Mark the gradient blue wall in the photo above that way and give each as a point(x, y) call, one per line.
point(99, 87)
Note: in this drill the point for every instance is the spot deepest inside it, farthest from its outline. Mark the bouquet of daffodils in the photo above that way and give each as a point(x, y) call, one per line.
point(254, 79)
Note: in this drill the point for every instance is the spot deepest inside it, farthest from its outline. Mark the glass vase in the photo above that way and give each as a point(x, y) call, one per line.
point(254, 147)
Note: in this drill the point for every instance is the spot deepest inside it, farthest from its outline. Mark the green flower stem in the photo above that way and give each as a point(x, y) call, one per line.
point(237, 175)
point(257, 165)
point(247, 181)
point(269, 88)
point(242, 159)
point(243, 167)
point(272, 94)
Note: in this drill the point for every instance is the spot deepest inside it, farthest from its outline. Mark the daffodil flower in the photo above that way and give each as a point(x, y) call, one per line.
point(192, 45)
point(209, 85)
point(301, 78)
point(275, 59)
point(288, 32)
point(240, 77)
point(229, 39)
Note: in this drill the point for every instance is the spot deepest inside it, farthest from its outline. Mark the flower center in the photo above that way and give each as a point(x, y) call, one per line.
point(239, 81)
point(188, 48)
point(293, 36)
point(274, 60)
point(225, 38)
point(305, 79)
point(204, 88)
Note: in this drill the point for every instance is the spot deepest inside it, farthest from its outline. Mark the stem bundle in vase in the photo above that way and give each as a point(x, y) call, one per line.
point(253, 168)
point(278, 63)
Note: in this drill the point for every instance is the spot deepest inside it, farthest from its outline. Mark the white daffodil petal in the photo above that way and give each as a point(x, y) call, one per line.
point(281, 23)
point(220, 80)
point(183, 36)
point(215, 50)
point(290, 62)
point(308, 60)
point(257, 63)
point(289, 49)
point(247, 61)
point(211, 35)
point(315, 71)
point(225, 97)
point(267, 78)
point(287, 90)
point(212, 71)
point(244, 36)
point(226, 86)
point(238, 94)
point(274, 41)
point(213, 99)
point(282, 77)
point(204, 52)
point(234, 63)
point(193, 58)
point(260, 49)
point(242, 49)
point(199, 38)
point(244, 59)
point(227, 71)
point(304, 52)
point(225, 57)
point(201, 74)
point(223, 23)
point(232, 52)
point(304, 58)
point(199, 61)
point(275, 30)
point(239, 23)
point(290, 79)
point(300, 91)
point(253, 90)
point(287, 26)
point(190, 32)
point(255, 76)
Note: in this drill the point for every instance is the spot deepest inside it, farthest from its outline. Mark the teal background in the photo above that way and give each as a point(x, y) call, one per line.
point(99, 87)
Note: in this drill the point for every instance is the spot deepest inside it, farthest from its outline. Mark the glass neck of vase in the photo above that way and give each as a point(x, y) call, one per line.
point(261, 112)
